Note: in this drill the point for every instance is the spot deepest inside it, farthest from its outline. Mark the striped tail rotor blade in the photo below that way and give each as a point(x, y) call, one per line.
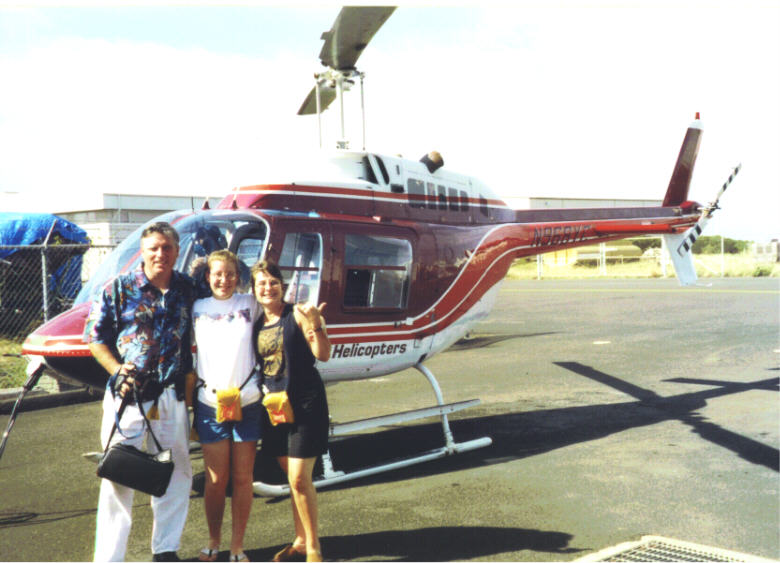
point(690, 237)
point(726, 184)
point(694, 232)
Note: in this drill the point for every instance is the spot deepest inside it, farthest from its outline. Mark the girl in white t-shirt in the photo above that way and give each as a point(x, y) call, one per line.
point(222, 327)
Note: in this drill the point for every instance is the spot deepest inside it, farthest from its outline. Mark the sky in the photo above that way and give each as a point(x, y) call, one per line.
point(578, 99)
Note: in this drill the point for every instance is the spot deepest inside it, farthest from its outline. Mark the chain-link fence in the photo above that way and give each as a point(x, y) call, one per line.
point(37, 282)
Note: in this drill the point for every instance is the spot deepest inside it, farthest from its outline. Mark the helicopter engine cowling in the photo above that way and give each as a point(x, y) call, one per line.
point(432, 161)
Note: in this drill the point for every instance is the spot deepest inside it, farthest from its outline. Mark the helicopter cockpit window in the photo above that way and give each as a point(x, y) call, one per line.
point(369, 171)
point(378, 271)
point(383, 170)
point(301, 263)
point(200, 233)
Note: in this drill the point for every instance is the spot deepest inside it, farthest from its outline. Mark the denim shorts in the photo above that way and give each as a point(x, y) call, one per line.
point(245, 430)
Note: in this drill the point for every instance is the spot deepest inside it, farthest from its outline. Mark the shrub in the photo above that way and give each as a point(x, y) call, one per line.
point(762, 271)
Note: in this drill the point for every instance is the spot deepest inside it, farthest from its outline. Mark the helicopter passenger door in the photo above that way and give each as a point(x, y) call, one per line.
point(376, 266)
point(301, 264)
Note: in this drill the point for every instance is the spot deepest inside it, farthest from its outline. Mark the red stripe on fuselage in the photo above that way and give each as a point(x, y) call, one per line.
point(487, 266)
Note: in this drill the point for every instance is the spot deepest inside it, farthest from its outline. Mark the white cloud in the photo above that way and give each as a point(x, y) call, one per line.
point(115, 116)
point(585, 101)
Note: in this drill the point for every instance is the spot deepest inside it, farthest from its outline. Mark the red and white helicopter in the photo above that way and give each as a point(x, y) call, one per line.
point(407, 254)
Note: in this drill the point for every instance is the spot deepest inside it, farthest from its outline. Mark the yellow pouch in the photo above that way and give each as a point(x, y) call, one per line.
point(153, 413)
point(279, 408)
point(229, 404)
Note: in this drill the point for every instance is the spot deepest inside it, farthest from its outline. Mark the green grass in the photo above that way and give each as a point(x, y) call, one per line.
point(12, 365)
point(707, 266)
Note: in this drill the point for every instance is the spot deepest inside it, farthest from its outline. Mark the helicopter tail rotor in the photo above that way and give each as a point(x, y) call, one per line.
point(681, 245)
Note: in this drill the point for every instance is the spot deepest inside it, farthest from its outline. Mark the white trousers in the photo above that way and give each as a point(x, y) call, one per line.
point(115, 504)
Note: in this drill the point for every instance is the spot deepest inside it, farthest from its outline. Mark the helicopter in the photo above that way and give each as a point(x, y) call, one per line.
point(407, 254)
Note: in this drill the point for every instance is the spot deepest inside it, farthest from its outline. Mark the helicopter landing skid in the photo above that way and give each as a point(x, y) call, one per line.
point(330, 476)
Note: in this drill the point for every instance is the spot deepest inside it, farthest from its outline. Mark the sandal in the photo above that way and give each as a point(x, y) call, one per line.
point(289, 553)
point(239, 557)
point(208, 554)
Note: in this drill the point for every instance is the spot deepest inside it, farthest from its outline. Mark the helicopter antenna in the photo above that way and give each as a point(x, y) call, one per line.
point(344, 43)
point(363, 109)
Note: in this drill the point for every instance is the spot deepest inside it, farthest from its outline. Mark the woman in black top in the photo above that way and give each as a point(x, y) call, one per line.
point(289, 338)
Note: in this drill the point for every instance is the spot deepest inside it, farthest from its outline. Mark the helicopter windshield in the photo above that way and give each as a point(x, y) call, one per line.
point(200, 233)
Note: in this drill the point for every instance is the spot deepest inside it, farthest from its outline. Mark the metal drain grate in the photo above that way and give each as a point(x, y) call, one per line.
point(657, 548)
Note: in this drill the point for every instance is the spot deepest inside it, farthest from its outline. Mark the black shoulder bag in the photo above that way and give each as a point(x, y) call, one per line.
point(131, 467)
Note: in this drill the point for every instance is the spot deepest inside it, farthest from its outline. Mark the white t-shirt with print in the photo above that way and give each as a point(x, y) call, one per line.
point(222, 331)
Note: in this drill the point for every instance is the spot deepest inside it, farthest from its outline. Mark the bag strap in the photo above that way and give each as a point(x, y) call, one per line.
point(202, 383)
point(118, 416)
point(148, 424)
point(248, 377)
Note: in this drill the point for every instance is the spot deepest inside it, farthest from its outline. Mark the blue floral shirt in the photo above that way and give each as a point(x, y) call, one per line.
point(145, 326)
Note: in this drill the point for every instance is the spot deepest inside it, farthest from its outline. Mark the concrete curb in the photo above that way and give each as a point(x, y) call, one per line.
point(35, 399)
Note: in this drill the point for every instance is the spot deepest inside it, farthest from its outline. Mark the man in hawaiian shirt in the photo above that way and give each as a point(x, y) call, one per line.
point(139, 331)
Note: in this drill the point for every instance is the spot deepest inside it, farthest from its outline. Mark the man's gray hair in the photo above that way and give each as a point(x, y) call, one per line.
point(162, 228)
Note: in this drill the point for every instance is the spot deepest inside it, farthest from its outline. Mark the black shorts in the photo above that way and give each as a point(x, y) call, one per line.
point(304, 438)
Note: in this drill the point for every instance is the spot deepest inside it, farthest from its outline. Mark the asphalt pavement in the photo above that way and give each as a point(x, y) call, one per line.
point(617, 409)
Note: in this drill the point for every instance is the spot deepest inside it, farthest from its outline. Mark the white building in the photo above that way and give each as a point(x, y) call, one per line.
point(108, 218)
point(767, 252)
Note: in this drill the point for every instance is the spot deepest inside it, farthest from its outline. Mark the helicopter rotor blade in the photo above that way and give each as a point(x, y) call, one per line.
point(344, 43)
point(309, 105)
point(353, 29)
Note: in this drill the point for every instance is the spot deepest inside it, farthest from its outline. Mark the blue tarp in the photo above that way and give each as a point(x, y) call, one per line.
point(32, 228)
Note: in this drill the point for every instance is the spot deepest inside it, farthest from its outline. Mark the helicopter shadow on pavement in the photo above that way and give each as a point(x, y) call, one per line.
point(517, 435)
point(479, 340)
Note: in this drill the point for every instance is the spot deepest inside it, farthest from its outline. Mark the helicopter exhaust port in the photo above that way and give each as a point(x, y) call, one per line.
point(432, 161)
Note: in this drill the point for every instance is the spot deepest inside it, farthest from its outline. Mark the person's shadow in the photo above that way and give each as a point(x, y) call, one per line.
point(448, 543)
